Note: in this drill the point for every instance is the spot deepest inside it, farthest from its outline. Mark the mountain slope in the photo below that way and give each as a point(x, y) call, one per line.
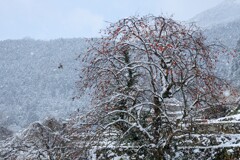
point(38, 79)
point(221, 23)
point(225, 12)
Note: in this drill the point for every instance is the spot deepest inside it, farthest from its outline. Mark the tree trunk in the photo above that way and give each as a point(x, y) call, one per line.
point(159, 154)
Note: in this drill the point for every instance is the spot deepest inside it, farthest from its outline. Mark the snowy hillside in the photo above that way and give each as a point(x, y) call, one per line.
point(38, 79)
point(225, 12)
point(221, 22)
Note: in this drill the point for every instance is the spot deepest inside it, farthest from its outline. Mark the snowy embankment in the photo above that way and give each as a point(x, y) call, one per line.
point(227, 119)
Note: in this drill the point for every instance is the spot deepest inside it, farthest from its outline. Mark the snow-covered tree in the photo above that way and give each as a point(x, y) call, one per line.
point(50, 139)
point(150, 76)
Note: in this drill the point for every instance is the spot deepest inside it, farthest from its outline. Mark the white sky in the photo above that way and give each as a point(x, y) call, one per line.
point(50, 19)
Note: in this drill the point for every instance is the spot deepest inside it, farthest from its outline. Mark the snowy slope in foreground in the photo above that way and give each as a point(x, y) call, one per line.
point(227, 119)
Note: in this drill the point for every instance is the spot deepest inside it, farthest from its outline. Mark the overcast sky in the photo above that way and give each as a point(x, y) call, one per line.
point(50, 19)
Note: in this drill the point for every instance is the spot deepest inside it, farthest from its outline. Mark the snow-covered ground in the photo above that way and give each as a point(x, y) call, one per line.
point(227, 119)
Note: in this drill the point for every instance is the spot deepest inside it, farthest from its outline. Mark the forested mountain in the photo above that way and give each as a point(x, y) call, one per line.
point(38, 79)
point(225, 12)
point(221, 23)
point(235, 68)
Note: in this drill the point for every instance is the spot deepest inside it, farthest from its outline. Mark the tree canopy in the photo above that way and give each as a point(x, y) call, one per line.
point(151, 75)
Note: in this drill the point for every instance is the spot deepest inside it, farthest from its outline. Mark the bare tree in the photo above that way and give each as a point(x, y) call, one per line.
point(150, 75)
